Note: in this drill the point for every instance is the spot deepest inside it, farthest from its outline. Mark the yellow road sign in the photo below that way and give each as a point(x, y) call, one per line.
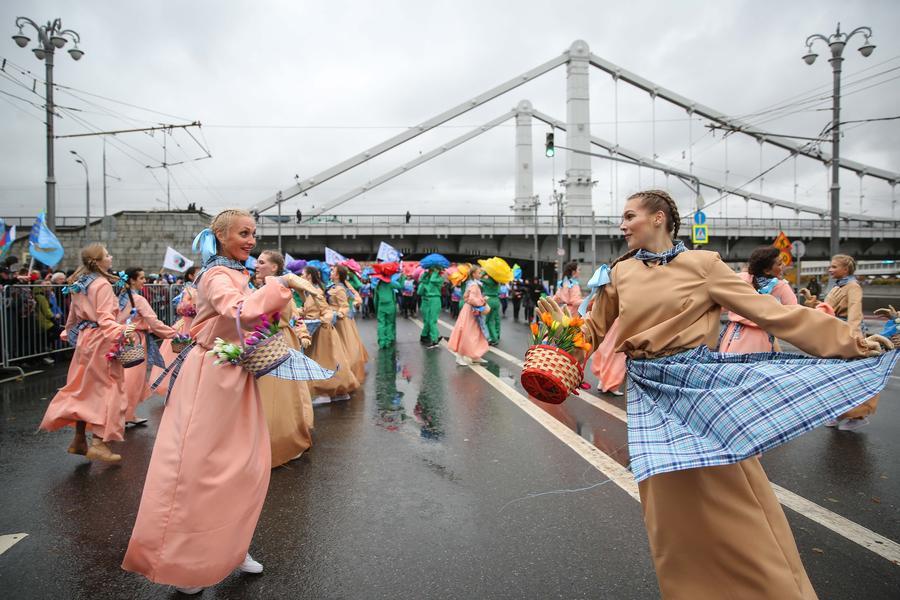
point(700, 234)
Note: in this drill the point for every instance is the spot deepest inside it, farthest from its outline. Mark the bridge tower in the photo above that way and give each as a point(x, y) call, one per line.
point(578, 135)
point(524, 159)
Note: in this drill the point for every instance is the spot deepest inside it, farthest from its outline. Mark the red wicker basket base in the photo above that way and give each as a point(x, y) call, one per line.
point(550, 374)
point(544, 387)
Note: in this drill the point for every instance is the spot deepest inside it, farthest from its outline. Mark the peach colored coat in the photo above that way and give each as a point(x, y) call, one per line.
point(210, 467)
point(328, 350)
point(569, 296)
point(182, 325)
point(467, 338)
point(93, 391)
point(607, 365)
point(348, 332)
point(751, 338)
point(287, 404)
point(137, 388)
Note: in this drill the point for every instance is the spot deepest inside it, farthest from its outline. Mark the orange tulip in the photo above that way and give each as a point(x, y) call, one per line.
point(534, 328)
point(547, 319)
point(577, 321)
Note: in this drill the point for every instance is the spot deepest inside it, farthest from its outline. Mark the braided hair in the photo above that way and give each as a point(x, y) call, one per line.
point(91, 255)
point(132, 275)
point(655, 201)
point(221, 223)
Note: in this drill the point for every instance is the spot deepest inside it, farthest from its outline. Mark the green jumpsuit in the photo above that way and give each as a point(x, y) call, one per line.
point(491, 290)
point(430, 291)
point(386, 311)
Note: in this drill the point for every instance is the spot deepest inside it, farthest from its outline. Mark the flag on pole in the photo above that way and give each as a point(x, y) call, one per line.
point(44, 246)
point(6, 241)
point(388, 253)
point(332, 257)
point(175, 261)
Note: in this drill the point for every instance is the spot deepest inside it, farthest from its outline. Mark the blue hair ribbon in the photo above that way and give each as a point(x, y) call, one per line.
point(596, 283)
point(205, 244)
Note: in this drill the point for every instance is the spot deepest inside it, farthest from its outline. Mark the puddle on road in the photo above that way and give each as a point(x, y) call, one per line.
point(404, 396)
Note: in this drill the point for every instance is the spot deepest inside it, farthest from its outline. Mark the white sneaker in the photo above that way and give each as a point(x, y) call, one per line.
point(616, 393)
point(479, 361)
point(831, 423)
point(189, 591)
point(320, 400)
point(250, 566)
point(461, 361)
point(853, 424)
point(340, 397)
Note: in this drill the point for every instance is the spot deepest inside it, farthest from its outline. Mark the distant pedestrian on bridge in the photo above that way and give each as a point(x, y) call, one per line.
point(408, 217)
point(299, 216)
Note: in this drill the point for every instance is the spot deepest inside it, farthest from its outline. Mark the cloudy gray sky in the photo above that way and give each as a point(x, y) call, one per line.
point(287, 88)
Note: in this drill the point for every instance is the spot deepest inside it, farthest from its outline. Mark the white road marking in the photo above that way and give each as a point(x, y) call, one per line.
point(844, 527)
point(10, 540)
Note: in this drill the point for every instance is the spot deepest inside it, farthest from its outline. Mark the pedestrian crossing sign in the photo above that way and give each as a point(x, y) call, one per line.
point(700, 234)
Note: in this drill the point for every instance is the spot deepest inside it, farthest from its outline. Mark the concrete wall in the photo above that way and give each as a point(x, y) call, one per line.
point(135, 239)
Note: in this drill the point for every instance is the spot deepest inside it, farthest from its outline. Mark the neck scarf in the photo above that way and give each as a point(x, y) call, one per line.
point(843, 281)
point(662, 258)
point(219, 261)
point(766, 284)
point(80, 285)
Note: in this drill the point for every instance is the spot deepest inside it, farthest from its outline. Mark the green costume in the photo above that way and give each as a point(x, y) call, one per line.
point(430, 292)
point(386, 311)
point(491, 290)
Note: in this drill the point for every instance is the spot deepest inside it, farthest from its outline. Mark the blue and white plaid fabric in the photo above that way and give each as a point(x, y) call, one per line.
point(174, 368)
point(300, 367)
point(154, 357)
point(701, 408)
point(311, 325)
point(82, 325)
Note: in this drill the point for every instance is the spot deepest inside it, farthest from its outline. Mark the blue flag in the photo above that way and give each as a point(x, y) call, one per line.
point(388, 253)
point(332, 257)
point(43, 244)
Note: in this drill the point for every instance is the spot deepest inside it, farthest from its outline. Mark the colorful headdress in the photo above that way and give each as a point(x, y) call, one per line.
point(296, 266)
point(497, 269)
point(352, 265)
point(460, 274)
point(384, 271)
point(323, 267)
point(434, 260)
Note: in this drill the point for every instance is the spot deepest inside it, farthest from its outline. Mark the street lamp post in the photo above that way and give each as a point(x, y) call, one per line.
point(87, 195)
point(51, 37)
point(836, 43)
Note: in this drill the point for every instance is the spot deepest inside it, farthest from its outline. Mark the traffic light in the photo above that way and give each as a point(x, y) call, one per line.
point(549, 148)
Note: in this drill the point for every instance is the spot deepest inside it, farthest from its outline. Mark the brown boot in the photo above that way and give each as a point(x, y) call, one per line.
point(100, 451)
point(78, 445)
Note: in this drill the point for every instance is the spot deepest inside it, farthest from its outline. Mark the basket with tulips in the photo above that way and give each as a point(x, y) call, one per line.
point(550, 372)
point(260, 352)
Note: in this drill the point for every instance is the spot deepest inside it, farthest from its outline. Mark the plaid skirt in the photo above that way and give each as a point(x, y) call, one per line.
point(701, 408)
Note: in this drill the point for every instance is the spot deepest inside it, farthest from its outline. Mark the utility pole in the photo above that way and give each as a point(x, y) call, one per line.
point(279, 199)
point(560, 251)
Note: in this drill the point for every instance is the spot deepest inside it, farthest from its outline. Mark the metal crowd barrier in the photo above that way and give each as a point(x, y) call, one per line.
point(33, 316)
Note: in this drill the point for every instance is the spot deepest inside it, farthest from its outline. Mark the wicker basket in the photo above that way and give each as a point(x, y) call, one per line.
point(178, 347)
point(265, 356)
point(550, 374)
point(131, 355)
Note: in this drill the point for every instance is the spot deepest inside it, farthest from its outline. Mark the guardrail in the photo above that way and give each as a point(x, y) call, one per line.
point(33, 316)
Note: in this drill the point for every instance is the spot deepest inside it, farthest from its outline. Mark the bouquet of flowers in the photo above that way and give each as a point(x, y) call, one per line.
point(187, 310)
point(260, 352)
point(550, 372)
point(126, 352)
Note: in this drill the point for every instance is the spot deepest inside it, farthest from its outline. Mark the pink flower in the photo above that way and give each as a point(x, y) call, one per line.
point(276, 317)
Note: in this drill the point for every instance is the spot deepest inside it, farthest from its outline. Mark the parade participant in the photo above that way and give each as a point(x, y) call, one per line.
point(845, 302)
point(210, 467)
point(365, 293)
point(712, 519)
point(609, 366)
point(287, 404)
point(92, 396)
point(408, 297)
point(517, 293)
point(327, 349)
point(469, 336)
point(503, 295)
point(133, 305)
point(387, 283)
point(568, 290)
point(495, 272)
point(430, 285)
point(455, 299)
point(764, 271)
point(345, 301)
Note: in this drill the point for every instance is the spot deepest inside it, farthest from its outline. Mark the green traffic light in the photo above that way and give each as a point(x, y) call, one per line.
point(550, 152)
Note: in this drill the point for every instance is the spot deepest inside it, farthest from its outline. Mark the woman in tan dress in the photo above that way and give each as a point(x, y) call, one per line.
point(345, 302)
point(286, 404)
point(845, 302)
point(327, 348)
point(716, 529)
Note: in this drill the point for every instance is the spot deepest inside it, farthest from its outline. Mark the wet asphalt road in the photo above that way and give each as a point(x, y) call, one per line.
point(422, 486)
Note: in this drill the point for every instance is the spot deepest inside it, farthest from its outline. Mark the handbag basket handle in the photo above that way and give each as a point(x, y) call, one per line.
point(237, 323)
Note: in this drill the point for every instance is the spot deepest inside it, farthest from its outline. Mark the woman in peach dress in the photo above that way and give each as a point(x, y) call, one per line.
point(211, 462)
point(345, 300)
point(92, 396)
point(469, 337)
point(287, 404)
point(185, 308)
point(132, 305)
point(764, 271)
point(568, 290)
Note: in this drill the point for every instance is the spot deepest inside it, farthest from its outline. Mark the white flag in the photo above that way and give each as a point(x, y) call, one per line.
point(332, 257)
point(176, 261)
point(388, 253)
point(288, 259)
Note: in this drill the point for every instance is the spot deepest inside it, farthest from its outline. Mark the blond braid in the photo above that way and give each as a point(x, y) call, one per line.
point(222, 221)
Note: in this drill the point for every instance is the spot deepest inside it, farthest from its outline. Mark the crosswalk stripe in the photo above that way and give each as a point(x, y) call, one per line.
point(844, 527)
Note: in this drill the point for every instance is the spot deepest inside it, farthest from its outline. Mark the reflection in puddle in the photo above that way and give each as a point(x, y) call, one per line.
point(430, 401)
point(388, 399)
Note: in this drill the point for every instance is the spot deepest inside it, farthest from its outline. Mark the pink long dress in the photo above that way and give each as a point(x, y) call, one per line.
point(568, 294)
point(93, 391)
point(607, 364)
point(137, 388)
point(210, 467)
point(750, 338)
point(467, 338)
point(186, 310)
